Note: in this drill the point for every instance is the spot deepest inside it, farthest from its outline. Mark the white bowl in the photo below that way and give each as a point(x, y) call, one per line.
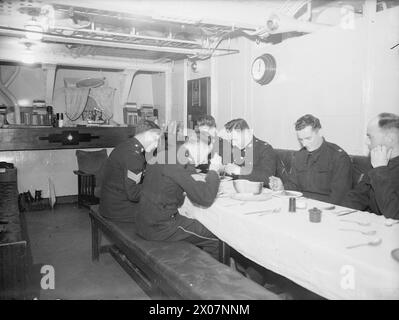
point(245, 186)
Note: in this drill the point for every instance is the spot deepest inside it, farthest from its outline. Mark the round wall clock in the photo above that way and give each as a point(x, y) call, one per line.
point(264, 69)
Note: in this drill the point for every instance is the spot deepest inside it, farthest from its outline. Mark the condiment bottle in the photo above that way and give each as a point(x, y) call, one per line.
point(60, 119)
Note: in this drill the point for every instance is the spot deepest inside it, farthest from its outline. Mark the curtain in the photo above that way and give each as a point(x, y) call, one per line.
point(104, 96)
point(75, 102)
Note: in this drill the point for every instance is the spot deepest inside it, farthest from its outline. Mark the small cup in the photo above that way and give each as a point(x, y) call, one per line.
point(315, 215)
point(301, 204)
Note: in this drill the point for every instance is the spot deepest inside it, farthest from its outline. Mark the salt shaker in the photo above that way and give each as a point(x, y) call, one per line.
point(292, 205)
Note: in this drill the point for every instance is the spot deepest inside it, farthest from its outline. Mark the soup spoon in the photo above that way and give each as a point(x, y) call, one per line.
point(363, 224)
point(373, 243)
point(367, 233)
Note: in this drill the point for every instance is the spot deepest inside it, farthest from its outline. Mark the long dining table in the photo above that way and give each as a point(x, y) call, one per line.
point(317, 256)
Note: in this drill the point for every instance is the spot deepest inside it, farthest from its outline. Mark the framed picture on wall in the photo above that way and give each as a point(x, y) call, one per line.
point(195, 93)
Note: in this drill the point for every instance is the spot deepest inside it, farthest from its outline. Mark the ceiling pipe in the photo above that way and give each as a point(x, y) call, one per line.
point(108, 43)
point(279, 23)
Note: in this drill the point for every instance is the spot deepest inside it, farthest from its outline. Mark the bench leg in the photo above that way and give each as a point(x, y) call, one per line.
point(224, 253)
point(95, 241)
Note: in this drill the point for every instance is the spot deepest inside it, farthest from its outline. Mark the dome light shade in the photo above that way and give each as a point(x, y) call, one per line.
point(34, 31)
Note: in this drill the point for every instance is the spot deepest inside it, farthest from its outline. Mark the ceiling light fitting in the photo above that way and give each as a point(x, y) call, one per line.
point(34, 30)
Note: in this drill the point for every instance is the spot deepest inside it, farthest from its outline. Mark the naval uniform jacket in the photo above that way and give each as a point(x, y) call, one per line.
point(324, 174)
point(163, 193)
point(123, 174)
point(378, 192)
point(258, 161)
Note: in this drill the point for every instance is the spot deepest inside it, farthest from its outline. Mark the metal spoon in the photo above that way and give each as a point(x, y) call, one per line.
point(276, 210)
point(363, 224)
point(367, 233)
point(264, 211)
point(235, 204)
point(390, 222)
point(374, 242)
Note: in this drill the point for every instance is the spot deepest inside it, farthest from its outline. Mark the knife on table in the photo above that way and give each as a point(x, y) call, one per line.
point(346, 212)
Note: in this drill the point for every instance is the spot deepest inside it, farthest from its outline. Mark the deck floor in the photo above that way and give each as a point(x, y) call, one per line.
point(62, 239)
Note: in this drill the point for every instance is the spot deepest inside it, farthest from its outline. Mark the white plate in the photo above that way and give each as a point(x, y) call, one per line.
point(288, 194)
point(252, 197)
point(225, 178)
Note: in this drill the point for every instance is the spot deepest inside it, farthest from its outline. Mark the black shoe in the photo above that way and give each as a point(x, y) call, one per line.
point(26, 197)
point(38, 195)
point(31, 199)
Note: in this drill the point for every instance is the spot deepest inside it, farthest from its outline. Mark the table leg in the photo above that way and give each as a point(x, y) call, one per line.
point(95, 241)
point(224, 252)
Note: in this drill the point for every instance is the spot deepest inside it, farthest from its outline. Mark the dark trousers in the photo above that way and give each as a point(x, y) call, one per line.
point(192, 231)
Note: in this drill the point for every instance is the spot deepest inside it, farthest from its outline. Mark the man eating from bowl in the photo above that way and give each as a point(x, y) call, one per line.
point(320, 170)
point(253, 159)
point(207, 130)
point(164, 189)
point(124, 171)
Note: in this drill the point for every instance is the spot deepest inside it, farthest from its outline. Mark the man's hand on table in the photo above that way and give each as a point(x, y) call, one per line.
point(380, 156)
point(232, 168)
point(276, 184)
point(216, 163)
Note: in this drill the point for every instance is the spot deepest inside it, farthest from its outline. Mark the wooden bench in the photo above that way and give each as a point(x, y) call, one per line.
point(172, 270)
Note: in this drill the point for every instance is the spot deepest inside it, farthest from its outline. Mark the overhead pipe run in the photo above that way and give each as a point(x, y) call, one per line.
point(48, 37)
point(279, 23)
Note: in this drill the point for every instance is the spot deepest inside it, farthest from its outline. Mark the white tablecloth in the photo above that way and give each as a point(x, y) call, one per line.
point(314, 255)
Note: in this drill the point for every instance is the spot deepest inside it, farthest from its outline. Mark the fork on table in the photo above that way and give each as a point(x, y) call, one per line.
point(363, 224)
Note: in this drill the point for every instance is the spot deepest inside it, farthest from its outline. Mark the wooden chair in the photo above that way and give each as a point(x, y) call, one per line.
point(86, 187)
point(91, 165)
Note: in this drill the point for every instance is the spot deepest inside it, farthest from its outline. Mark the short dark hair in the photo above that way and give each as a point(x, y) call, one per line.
point(146, 125)
point(306, 121)
point(206, 120)
point(387, 121)
point(236, 124)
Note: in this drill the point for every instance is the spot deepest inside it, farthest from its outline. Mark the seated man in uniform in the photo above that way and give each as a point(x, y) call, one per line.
point(378, 192)
point(320, 170)
point(164, 189)
point(253, 159)
point(123, 173)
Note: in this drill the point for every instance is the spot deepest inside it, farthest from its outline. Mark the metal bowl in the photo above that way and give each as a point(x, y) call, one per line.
point(245, 186)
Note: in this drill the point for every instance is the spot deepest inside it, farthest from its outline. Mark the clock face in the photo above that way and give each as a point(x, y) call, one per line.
point(264, 69)
point(258, 69)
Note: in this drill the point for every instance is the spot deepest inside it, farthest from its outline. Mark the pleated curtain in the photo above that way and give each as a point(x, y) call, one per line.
point(75, 102)
point(104, 96)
